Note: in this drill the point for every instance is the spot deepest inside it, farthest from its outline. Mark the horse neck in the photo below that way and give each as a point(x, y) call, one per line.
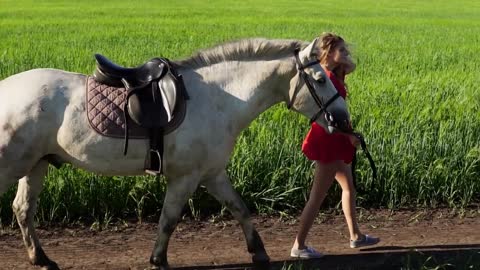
point(253, 86)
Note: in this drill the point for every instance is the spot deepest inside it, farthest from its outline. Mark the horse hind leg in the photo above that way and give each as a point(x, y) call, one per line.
point(178, 192)
point(5, 183)
point(24, 206)
point(8, 174)
point(222, 189)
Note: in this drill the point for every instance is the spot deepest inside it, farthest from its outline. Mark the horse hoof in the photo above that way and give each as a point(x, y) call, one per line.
point(261, 262)
point(261, 265)
point(158, 264)
point(51, 266)
point(41, 260)
point(158, 268)
point(261, 257)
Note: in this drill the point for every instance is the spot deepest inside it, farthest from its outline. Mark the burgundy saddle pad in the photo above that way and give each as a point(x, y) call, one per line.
point(105, 111)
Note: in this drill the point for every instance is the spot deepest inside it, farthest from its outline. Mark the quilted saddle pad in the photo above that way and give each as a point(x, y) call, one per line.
point(105, 111)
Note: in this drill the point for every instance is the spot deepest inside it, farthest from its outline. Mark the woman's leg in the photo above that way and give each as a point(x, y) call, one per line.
point(322, 180)
point(345, 179)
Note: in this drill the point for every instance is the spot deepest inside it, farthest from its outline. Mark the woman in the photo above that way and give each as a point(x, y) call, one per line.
point(333, 154)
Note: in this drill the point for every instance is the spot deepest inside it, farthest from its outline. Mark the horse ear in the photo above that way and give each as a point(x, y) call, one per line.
point(310, 50)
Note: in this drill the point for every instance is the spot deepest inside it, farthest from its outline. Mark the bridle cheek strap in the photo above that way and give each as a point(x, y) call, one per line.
point(322, 110)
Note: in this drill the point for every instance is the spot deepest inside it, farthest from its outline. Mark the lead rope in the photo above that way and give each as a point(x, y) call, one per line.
point(369, 157)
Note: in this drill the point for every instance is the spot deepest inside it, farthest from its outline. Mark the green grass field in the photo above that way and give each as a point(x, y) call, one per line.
point(414, 96)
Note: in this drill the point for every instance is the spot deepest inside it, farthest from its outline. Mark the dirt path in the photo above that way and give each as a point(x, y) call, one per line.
point(220, 245)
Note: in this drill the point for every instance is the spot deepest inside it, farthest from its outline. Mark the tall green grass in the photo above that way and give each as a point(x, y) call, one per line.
point(414, 96)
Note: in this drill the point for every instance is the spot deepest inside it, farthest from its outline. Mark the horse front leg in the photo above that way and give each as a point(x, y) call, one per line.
point(221, 188)
point(178, 192)
point(24, 206)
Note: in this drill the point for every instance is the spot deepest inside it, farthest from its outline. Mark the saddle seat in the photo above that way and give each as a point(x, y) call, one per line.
point(112, 74)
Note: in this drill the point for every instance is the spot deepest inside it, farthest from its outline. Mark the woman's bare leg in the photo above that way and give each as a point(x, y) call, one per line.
point(345, 179)
point(322, 180)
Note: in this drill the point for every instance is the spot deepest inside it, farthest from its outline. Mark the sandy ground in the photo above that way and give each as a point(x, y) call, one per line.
point(408, 238)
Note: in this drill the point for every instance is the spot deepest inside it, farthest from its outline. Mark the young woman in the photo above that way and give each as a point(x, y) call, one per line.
point(333, 154)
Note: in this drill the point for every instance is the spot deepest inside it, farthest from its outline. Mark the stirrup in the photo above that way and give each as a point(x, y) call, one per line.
point(154, 163)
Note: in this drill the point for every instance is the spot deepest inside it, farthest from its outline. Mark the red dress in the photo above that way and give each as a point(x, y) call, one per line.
point(324, 147)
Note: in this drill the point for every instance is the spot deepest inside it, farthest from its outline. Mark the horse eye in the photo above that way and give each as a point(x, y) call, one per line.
point(321, 80)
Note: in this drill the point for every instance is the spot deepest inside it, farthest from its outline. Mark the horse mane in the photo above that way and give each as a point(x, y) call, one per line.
point(243, 50)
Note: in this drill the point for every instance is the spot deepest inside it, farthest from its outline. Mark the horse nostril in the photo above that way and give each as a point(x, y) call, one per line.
point(329, 117)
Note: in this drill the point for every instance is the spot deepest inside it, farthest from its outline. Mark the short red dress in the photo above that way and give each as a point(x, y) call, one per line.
point(324, 147)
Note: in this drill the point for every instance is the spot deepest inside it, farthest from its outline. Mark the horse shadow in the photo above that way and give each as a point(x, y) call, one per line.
point(385, 257)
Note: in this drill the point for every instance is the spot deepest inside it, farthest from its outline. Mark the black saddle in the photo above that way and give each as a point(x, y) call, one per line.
point(154, 91)
point(112, 74)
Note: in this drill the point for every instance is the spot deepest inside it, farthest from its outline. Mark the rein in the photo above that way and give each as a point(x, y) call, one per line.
point(367, 154)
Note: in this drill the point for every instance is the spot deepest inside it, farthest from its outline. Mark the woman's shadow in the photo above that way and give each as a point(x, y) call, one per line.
point(384, 257)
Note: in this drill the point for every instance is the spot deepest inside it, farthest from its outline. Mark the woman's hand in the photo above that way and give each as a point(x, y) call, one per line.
point(354, 140)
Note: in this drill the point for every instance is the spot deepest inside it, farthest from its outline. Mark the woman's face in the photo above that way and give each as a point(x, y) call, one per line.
point(339, 53)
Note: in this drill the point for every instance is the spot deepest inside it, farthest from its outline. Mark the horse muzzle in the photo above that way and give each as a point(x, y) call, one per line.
point(338, 121)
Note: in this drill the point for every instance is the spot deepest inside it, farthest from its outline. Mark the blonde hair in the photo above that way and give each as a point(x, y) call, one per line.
point(328, 42)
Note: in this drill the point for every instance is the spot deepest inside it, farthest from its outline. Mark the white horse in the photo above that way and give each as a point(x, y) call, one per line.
point(42, 114)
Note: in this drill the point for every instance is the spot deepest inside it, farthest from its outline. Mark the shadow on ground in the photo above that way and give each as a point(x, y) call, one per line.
point(386, 257)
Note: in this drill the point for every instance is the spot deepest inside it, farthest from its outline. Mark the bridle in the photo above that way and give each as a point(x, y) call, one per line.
point(323, 109)
point(318, 100)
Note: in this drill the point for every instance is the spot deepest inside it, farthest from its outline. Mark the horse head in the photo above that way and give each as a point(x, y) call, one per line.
point(314, 95)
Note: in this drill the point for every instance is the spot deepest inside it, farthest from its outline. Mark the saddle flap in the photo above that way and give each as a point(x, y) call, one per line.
point(145, 111)
point(168, 90)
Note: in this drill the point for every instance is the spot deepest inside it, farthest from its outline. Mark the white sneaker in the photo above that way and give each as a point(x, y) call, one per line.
point(364, 240)
point(307, 253)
